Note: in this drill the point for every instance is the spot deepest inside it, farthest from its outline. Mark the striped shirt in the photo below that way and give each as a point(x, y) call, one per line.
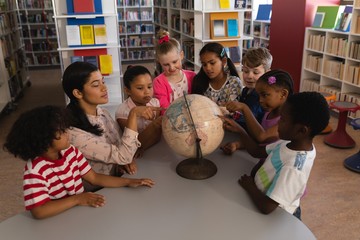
point(46, 180)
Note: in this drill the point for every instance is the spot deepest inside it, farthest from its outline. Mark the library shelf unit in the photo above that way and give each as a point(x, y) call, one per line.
point(5, 98)
point(108, 17)
point(38, 33)
point(14, 74)
point(191, 23)
point(136, 30)
point(331, 62)
point(261, 33)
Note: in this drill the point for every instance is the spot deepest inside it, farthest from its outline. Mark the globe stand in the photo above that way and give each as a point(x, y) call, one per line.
point(196, 168)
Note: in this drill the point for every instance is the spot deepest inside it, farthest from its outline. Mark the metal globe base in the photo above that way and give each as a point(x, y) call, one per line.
point(196, 168)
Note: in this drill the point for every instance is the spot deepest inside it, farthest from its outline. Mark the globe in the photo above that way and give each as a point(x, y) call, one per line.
point(178, 129)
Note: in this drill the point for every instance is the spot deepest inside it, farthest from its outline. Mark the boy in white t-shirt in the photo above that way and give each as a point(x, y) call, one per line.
point(281, 181)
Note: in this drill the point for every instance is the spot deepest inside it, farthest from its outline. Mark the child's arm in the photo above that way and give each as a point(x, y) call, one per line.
point(150, 135)
point(111, 181)
point(265, 204)
point(254, 127)
point(54, 207)
point(122, 123)
point(251, 146)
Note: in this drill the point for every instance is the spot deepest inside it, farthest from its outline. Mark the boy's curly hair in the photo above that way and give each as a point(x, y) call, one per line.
point(310, 109)
point(34, 131)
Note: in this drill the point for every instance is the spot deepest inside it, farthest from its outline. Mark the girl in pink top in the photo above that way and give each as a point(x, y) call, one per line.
point(174, 81)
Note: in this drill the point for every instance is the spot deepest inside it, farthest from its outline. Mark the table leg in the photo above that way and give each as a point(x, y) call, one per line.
point(340, 138)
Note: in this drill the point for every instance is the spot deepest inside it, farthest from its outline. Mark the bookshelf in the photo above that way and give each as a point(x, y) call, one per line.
point(5, 98)
point(136, 30)
point(331, 61)
point(14, 75)
point(38, 33)
point(105, 16)
point(191, 23)
point(261, 33)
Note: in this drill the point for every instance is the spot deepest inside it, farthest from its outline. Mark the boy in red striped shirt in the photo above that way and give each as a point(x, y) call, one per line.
point(54, 168)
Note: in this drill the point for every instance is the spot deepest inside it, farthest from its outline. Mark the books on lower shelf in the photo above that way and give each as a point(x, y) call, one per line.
point(78, 35)
point(103, 62)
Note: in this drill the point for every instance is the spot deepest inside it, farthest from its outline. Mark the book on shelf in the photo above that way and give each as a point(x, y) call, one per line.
point(332, 14)
point(76, 59)
point(87, 34)
point(84, 6)
point(100, 34)
point(264, 12)
point(232, 28)
point(91, 59)
point(318, 19)
point(218, 28)
point(344, 20)
point(73, 35)
point(240, 4)
point(105, 62)
point(224, 4)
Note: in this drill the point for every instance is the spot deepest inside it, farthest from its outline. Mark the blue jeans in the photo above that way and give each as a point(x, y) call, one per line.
point(297, 213)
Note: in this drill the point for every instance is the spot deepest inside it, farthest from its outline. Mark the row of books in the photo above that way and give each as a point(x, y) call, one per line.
point(45, 17)
point(183, 4)
point(258, 43)
point(188, 48)
point(313, 62)
point(337, 46)
point(134, 3)
point(79, 35)
point(160, 3)
point(188, 26)
point(314, 85)
point(233, 53)
point(160, 17)
point(136, 28)
point(353, 75)
point(7, 23)
point(333, 68)
point(137, 55)
point(39, 32)
point(26, 4)
point(238, 4)
point(103, 62)
point(43, 46)
point(44, 59)
point(333, 17)
point(136, 41)
point(316, 42)
point(135, 15)
point(354, 52)
point(175, 21)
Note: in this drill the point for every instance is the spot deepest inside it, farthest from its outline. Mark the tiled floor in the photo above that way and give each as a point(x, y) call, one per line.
point(331, 207)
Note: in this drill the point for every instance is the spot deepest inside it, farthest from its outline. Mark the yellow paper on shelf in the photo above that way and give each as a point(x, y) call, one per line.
point(106, 66)
point(87, 34)
point(100, 34)
point(224, 3)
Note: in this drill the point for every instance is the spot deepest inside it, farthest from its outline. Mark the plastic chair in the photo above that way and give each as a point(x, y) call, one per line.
point(329, 98)
point(353, 162)
point(340, 138)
